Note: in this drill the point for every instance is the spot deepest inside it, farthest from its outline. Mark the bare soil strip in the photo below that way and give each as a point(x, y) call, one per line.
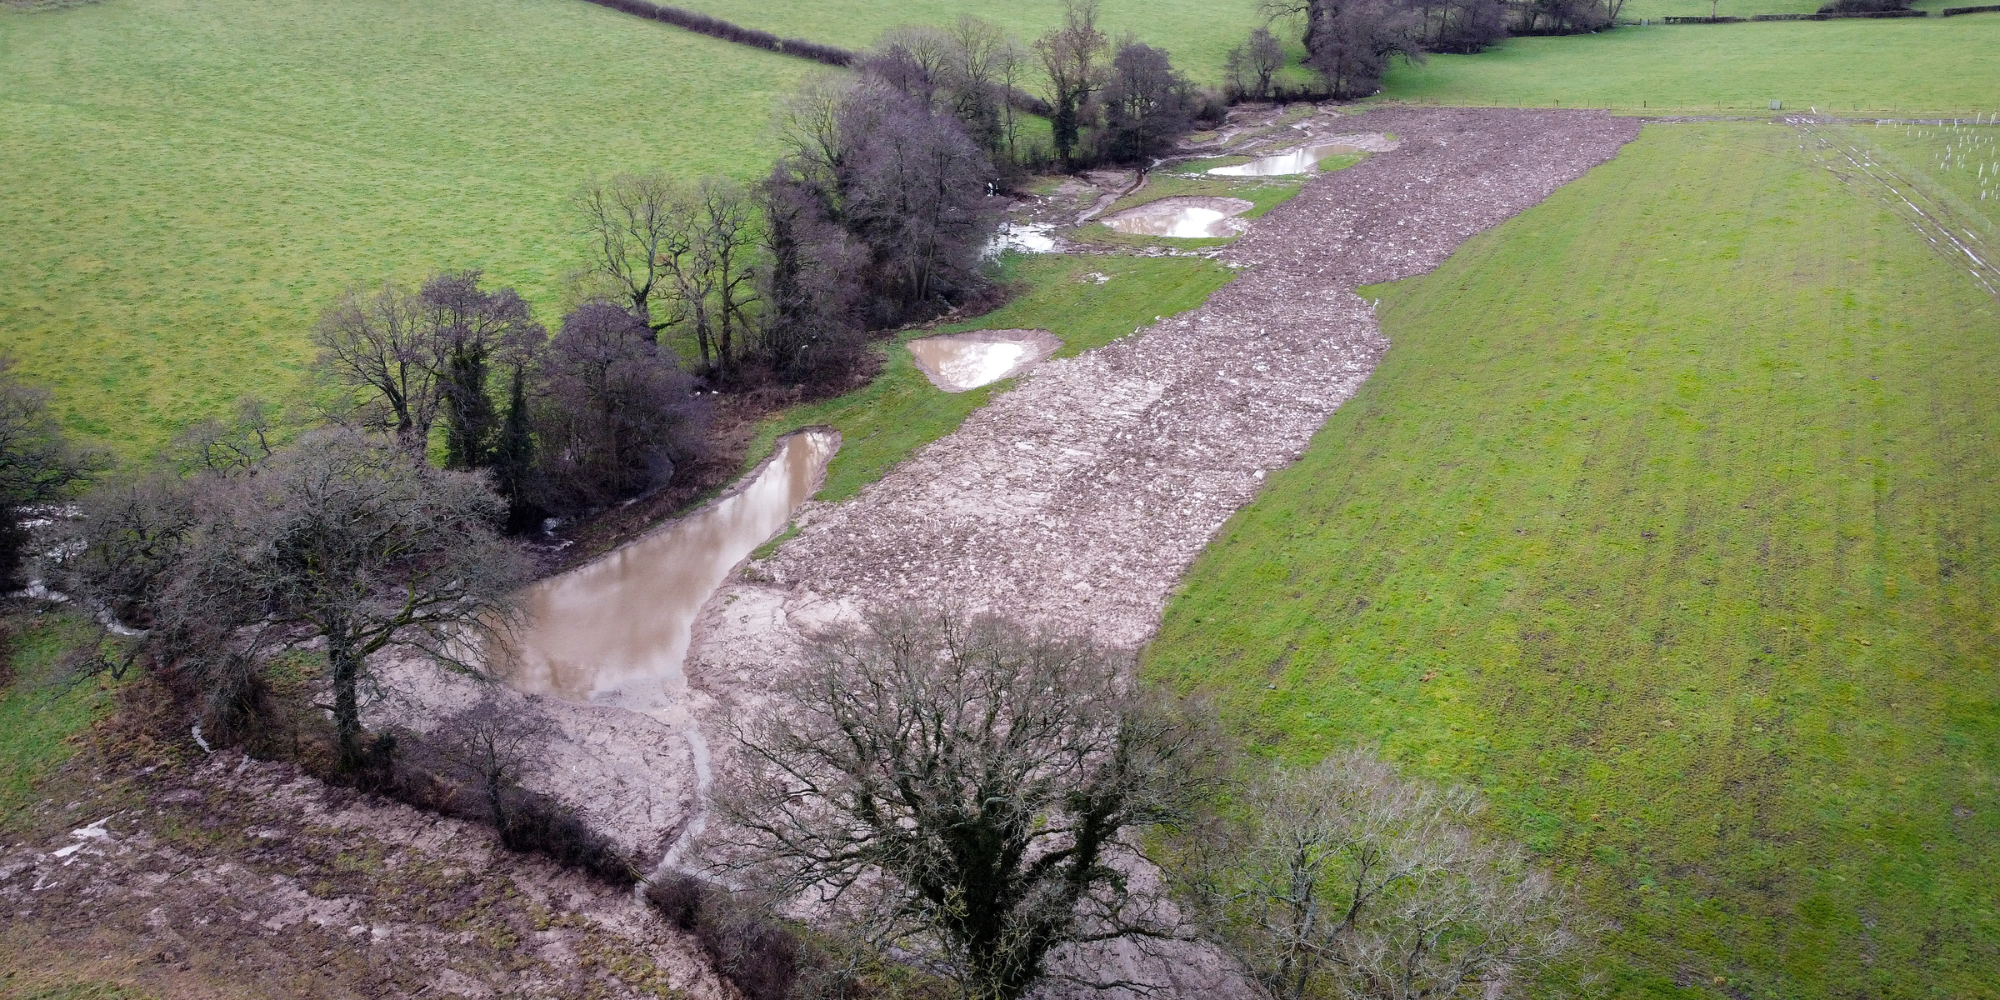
point(1080, 498)
point(228, 877)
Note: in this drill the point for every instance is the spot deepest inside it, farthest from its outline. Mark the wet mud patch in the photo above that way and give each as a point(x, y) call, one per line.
point(1189, 218)
point(957, 362)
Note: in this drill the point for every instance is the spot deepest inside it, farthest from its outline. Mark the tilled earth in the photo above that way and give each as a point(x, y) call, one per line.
point(229, 877)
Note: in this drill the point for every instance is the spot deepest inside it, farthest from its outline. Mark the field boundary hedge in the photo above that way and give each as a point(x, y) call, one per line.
point(729, 31)
point(1955, 11)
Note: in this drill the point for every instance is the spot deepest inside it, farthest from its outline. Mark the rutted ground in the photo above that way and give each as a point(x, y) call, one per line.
point(227, 877)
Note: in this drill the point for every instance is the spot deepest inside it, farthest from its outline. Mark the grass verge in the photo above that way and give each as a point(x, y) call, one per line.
point(901, 410)
point(42, 708)
point(1691, 566)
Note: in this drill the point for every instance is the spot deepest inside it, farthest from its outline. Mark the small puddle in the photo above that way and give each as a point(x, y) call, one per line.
point(1303, 160)
point(1022, 237)
point(1183, 218)
point(956, 362)
point(615, 631)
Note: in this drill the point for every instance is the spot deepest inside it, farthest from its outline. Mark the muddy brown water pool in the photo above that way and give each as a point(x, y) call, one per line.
point(1302, 160)
point(616, 630)
point(1183, 218)
point(956, 362)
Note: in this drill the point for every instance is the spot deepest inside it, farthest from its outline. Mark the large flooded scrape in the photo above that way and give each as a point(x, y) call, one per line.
point(616, 630)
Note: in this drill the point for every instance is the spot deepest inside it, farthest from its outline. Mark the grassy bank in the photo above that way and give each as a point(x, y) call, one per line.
point(1906, 66)
point(901, 410)
point(42, 709)
point(188, 183)
point(1692, 568)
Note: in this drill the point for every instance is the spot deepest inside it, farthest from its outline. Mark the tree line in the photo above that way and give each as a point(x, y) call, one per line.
point(1349, 44)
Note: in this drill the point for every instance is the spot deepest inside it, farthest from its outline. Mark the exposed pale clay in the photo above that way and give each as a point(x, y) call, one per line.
point(1305, 159)
point(1189, 218)
point(956, 362)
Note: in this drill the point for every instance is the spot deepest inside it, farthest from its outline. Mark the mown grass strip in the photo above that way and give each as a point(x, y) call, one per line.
point(1669, 521)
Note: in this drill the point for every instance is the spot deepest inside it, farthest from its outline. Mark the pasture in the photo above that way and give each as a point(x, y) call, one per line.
point(1691, 568)
point(189, 183)
point(1907, 67)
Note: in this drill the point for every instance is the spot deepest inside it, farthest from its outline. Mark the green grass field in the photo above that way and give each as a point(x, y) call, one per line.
point(1908, 66)
point(901, 411)
point(188, 183)
point(1197, 32)
point(1957, 164)
point(1693, 568)
point(42, 708)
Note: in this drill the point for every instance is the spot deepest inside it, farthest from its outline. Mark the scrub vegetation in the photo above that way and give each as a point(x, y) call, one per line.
point(1690, 570)
point(900, 410)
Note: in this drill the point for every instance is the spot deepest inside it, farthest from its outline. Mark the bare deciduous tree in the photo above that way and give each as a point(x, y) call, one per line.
point(38, 467)
point(961, 790)
point(1252, 68)
point(641, 234)
point(617, 411)
point(376, 343)
point(336, 543)
point(492, 742)
point(470, 329)
point(1349, 42)
point(417, 356)
point(216, 446)
point(1346, 880)
point(1147, 105)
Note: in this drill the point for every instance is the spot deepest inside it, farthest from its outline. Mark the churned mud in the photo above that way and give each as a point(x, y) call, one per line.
point(1191, 218)
point(956, 362)
point(228, 877)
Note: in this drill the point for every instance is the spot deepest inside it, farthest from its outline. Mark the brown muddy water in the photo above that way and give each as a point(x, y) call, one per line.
point(614, 631)
point(956, 362)
point(1183, 218)
point(1303, 160)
